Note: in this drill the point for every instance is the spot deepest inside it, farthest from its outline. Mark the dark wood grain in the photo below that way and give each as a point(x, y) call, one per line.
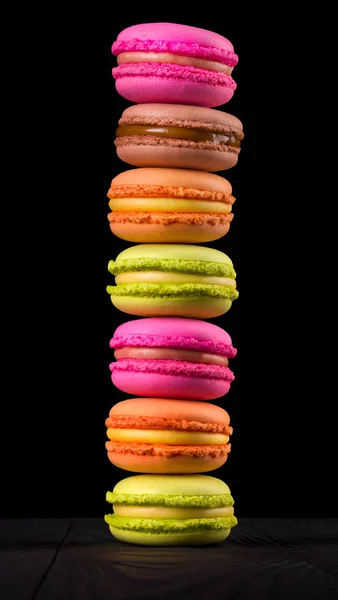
point(27, 550)
point(263, 559)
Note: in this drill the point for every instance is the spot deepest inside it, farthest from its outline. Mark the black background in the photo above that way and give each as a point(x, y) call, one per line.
point(60, 388)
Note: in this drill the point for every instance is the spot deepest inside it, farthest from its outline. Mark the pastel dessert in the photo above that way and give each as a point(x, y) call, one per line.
point(171, 510)
point(156, 435)
point(173, 280)
point(178, 136)
point(170, 205)
point(168, 62)
point(172, 358)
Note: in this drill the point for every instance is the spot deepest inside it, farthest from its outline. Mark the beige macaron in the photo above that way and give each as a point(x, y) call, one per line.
point(178, 136)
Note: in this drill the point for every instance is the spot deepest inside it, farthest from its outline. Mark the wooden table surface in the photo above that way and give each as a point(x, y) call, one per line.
point(78, 559)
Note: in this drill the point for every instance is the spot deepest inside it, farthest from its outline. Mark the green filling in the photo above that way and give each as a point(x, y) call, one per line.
point(170, 525)
point(206, 501)
point(200, 267)
point(162, 290)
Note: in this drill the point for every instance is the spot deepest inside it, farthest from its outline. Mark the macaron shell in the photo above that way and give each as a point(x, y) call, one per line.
point(170, 539)
point(197, 308)
point(174, 233)
point(174, 177)
point(169, 87)
point(182, 333)
point(144, 463)
point(171, 485)
point(170, 386)
point(173, 409)
point(172, 354)
point(162, 251)
point(175, 32)
point(169, 154)
point(183, 116)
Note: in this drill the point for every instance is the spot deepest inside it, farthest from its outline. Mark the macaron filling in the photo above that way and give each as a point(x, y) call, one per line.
point(160, 277)
point(226, 127)
point(165, 512)
point(179, 133)
point(166, 436)
point(168, 205)
point(146, 353)
point(168, 58)
point(170, 525)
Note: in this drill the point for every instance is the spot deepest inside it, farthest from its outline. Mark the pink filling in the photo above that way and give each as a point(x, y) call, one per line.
point(184, 49)
point(173, 367)
point(175, 72)
point(184, 343)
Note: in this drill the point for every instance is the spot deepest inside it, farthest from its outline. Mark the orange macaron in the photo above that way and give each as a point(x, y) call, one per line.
point(170, 205)
point(155, 435)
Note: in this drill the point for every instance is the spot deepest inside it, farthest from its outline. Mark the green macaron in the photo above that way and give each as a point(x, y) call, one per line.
point(171, 510)
point(180, 280)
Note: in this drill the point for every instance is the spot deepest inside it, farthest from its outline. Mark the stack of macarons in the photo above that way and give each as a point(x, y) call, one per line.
point(170, 361)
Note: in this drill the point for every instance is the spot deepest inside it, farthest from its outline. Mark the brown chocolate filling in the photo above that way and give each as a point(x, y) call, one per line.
point(179, 133)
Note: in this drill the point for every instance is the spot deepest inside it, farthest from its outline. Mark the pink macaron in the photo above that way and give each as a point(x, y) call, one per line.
point(179, 64)
point(172, 358)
